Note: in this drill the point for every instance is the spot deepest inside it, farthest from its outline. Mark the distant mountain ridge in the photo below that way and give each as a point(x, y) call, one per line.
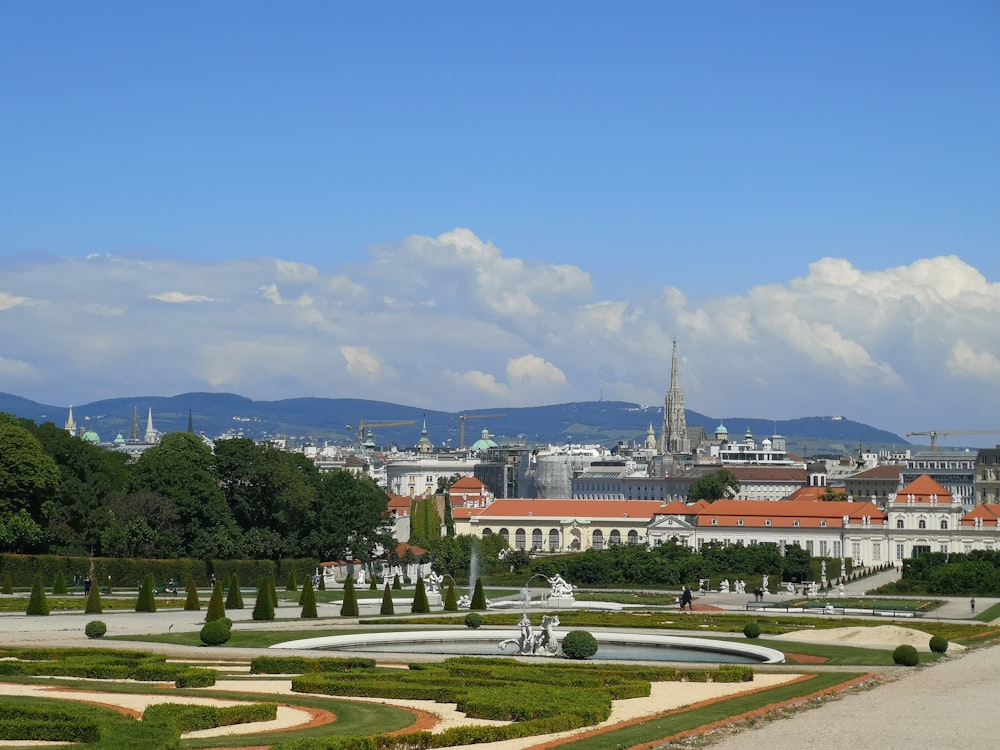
point(336, 419)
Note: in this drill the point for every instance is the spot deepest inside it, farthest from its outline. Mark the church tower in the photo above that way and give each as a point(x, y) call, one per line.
point(674, 438)
point(150, 437)
point(70, 426)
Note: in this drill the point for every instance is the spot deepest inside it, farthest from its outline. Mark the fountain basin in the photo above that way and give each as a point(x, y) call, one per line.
point(633, 646)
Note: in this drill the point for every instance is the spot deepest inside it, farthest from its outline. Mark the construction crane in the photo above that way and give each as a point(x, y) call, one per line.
point(363, 425)
point(461, 425)
point(935, 434)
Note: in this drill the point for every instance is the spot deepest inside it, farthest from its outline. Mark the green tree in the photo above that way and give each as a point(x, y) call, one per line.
point(8, 584)
point(38, 604)
point(271, 494)
point(349, 608)
point(145, 524)
point(89, 475)
point(216, 604)
point(349, 520)
point(181, 468)
point(146, 602)
point(94, 601)
point(715, 486)
point(193, 602)
point(387, 606)
point(478, 596)
point(425, 523)
point(420, 604)
point(28, 477)
point(308, 600)
point(263, 607)
point(450, 598)
point(19, 532)
point(59, 587)
point(234, 597)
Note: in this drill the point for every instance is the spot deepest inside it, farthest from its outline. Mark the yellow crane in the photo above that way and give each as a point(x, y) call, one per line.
point(363, 425)
point(935, 434)
point(461, 425)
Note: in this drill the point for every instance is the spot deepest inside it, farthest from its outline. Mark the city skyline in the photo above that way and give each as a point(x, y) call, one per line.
point(476, 207)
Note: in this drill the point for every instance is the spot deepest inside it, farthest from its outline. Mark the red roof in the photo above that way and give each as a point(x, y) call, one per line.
point(469, 485)
point(561, 509)
point(924, 490)
point(782, 514)
point(989, 513)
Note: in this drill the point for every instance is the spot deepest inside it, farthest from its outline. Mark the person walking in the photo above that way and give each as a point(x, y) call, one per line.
point(687, 599)
point(972, 604)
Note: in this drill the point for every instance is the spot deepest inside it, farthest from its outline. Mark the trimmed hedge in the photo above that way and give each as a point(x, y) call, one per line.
point(938, 644)
point(579, 644)
point(215, 632)
point(303, 665)
point(906, 655)
point(95, 629)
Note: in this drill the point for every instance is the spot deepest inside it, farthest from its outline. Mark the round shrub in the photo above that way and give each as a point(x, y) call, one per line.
point(473, 620)
point(95, 629)
point(939, 644)
point(906, 655)
point(215, 633)
point(751, 630)
point(579, 644)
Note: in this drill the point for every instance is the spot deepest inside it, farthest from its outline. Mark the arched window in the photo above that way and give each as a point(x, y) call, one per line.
point(921, 524)
point(536, 539)
point(519, 539)
point(899, 523)
point(633, 537)
point(944, 523)
point(487, 532)
point(597, 539)
point(553, 540)
point(505, 535)
point(615, 539)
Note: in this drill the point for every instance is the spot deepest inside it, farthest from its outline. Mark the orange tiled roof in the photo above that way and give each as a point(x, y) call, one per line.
point(784, 514)
point(989, 513)
point(560, 509)
point(922, 488)
point(469, 485)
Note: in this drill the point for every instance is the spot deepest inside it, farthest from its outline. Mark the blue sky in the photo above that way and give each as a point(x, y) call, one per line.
point(462, 205)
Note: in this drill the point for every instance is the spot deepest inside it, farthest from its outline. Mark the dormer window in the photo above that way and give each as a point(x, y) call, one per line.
point(740, 522)
point(795, 523)
point(715, 521)
point(822, 524)
point(767, 522)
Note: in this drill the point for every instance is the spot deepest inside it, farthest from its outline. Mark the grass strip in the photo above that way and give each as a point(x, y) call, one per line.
point(689, 721)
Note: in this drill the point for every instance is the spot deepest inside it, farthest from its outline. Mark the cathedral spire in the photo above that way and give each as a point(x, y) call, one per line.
point(70, 426)
point(150, 437)
point(674, 438)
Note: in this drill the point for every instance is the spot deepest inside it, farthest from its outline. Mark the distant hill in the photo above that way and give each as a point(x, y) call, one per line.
point(336, 420)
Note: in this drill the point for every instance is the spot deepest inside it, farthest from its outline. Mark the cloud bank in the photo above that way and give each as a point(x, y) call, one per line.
point(452, 322)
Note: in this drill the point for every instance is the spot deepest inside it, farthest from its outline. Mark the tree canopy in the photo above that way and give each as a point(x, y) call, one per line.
point(715, 486)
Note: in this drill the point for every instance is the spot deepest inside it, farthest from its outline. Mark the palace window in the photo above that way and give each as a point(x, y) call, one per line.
point(553, 540)
point(536, 539)
point(944, 523)
point(899, 523)
point(597, 540)
point(519, 539)
point(615, 539)
point(633, 537)
point(921, 524)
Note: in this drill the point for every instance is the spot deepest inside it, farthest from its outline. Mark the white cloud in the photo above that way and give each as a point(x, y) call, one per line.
point(361, 362)
point(180, 297)
point(965, 361)
point(452, 322)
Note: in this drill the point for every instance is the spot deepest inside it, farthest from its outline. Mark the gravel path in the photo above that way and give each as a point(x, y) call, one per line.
point(947, 706)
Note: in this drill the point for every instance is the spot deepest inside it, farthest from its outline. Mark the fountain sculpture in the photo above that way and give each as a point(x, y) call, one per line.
point(535, 643)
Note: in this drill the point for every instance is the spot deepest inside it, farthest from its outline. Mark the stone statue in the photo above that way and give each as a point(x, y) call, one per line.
point(840, 588)
point(359, 576)
point(813, 588)
point(724, 586)
point(545, 641)
point(741, 587)
point(433, 582)
point(560, 586)
point(822, 569)
point(763, 583)
point(790, 587)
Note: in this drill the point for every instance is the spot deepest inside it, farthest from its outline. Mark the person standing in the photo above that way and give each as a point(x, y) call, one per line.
point(687, 599)
point(972, 604)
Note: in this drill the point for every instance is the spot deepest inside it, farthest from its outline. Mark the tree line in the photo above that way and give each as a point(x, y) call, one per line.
point(60, 495)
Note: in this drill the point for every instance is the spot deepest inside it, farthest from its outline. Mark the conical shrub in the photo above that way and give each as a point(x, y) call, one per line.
point(388, 608)
point(38, 604)
point(216, 606)
point(8, 584)
point(291, 584)
point(478, 596)
point(397, 584)
point(372, 585)
point(420, 604)
point(450, 598)
point(59, 587)
point(322, 583)
point(234, 598)
point(350, 606)
point(274, 594)
point(94, 601)
point(147, 599)
point(262, 609)
point(308, 600)
point(192, 603)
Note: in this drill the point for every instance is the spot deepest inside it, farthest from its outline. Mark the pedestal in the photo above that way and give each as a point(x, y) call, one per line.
point(434, 599)
point(560, 602)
